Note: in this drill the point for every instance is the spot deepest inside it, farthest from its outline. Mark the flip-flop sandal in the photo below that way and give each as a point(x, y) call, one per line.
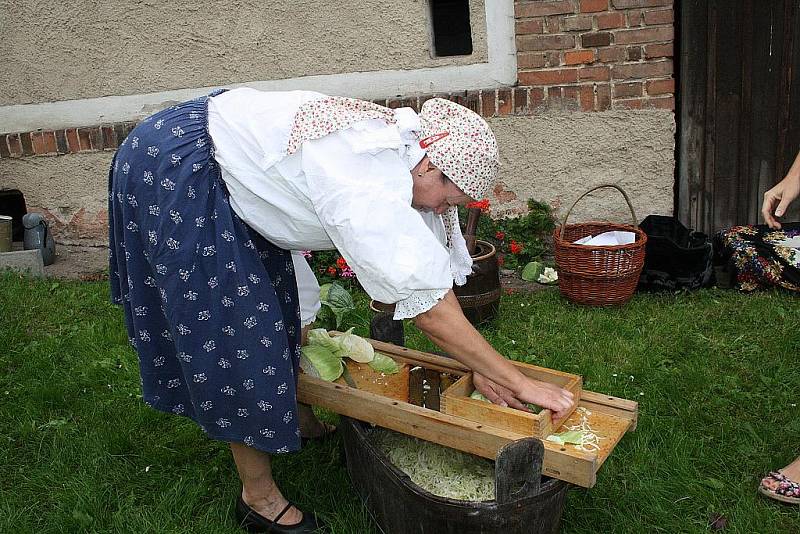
point(788, 491)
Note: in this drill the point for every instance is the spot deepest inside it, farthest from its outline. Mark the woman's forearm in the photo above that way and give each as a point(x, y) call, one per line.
point(446, 326)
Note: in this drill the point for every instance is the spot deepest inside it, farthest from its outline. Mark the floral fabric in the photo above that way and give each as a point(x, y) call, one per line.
point(318, 118)
point(460, 143)
point(761, 256)
point(210, 306)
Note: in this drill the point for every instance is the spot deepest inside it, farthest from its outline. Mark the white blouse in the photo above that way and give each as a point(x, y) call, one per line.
point(350, 190)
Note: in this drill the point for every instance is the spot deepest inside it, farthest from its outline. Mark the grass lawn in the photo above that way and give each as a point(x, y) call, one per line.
point(716, 373)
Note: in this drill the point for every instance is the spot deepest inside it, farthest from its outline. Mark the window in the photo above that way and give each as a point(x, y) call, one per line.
point(452, 33)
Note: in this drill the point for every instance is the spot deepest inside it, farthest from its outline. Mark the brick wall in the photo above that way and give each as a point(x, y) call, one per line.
point(595, 55)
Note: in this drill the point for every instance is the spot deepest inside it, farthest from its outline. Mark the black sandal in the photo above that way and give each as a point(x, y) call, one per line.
point(252, 521)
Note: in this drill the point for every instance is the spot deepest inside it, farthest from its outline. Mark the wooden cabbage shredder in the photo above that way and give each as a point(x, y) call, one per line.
point(430, 399)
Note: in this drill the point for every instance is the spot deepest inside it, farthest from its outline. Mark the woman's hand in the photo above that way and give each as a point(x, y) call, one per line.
point(781, 196)
point(533, 391)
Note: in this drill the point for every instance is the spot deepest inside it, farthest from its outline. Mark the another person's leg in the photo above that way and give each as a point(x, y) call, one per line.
point(259, 490)
point(783, 485)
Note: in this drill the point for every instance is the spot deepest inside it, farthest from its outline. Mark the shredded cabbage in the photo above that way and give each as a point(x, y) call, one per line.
point(440, 470)
point(584, 436)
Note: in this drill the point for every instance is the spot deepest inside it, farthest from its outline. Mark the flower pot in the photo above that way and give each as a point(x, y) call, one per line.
point(480, 296)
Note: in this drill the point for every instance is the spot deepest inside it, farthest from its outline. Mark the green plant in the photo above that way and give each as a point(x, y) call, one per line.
point(518, 240)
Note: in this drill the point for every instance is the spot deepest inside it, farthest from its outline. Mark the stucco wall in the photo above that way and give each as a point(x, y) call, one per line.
point(555, 156)
point(73, 50)
point(552, 156)
point(71, 191)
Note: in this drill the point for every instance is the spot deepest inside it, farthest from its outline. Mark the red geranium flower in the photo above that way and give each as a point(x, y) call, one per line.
point(500, 235)
point(482, 204)
point(332, 270)
point(515, 247)
point(341, 263)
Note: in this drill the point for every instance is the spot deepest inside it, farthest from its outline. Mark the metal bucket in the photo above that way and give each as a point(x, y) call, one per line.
point(480, 296)
point(5, 233)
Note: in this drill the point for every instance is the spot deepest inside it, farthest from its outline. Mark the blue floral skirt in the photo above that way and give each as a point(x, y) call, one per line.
point(210, 306)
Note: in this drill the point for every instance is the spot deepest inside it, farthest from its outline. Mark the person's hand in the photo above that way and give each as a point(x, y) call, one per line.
point(535, 392)
point(781, 196)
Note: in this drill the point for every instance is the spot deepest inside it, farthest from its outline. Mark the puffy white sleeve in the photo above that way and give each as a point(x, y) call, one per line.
point(307, 289)
point(363, 201)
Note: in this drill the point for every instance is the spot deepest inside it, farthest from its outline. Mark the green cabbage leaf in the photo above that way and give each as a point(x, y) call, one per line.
point(337, 299)
point(320, 362)
point(570, 436)
point(384, 364)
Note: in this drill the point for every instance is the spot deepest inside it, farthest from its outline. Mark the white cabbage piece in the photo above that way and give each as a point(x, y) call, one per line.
point(355, 347)
point(477, 395)
point(548, 276)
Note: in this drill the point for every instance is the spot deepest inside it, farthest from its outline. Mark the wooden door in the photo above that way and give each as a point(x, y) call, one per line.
point(739, 106)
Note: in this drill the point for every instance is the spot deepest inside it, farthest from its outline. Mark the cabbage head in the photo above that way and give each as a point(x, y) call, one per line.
point(320, 337)
point(320, 362)
point(384, 364)
point(355, 347)
point(532, 271)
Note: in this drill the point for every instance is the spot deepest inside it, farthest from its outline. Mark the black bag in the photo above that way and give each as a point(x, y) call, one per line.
point(676, 257)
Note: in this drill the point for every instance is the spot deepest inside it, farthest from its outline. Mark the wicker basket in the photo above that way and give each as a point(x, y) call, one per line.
point(598, 275)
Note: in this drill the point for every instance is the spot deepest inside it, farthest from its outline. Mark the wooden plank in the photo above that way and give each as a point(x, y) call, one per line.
point(415, 393)
point(573, 466)
point(416, 357)
point(394, 386)
point(608, 428)
point(692, 81)
point(722, 127)
point(765, 46)
point(789, 141)
point(622, 408)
